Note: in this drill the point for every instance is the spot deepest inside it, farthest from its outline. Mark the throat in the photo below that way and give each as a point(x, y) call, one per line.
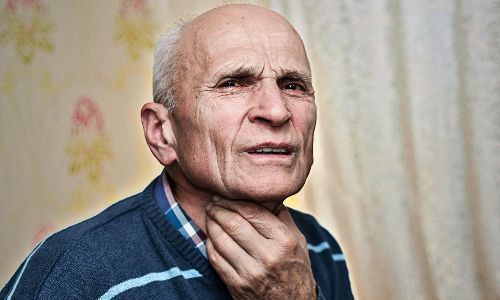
point(189, 198)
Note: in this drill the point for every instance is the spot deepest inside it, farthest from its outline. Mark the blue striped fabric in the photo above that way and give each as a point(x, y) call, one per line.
point(147, 279)
point(325, 246)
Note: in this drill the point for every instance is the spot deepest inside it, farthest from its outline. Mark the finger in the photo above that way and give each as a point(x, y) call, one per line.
point(265, 222)
point(226, 272)
point(233, 253)
point(239, 229)
point(283, 214)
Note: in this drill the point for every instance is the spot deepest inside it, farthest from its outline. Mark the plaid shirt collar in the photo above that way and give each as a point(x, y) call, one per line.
point(177, 216)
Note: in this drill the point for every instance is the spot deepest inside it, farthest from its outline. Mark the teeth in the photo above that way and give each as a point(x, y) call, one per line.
point(270, 150)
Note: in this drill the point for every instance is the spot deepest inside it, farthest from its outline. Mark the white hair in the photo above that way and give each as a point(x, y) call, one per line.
point(166, 66)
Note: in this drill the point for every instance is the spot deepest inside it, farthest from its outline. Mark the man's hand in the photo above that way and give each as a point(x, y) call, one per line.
point(257, 254)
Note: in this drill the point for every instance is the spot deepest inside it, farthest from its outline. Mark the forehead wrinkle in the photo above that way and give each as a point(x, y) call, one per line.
point(236, 68)
point(282, 61)
point(260, 47)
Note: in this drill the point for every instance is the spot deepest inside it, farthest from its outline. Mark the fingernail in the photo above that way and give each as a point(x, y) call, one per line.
point(208, 206)
point(215, 198)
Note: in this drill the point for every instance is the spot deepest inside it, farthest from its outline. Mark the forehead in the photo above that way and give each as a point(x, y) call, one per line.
point(257, 38)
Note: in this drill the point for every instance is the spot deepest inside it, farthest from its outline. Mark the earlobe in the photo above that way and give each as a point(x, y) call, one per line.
point(158, 132)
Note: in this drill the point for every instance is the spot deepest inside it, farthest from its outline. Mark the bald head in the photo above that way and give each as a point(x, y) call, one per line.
point(243, 15)
point(191, 42)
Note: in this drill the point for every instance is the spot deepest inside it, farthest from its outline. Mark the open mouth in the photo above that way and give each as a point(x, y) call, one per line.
point(275, 151)
point(271, 149)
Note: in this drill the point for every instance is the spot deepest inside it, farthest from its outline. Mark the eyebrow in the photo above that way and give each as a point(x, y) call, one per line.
point(295, 75)
point(240, 72)
point(252, 71)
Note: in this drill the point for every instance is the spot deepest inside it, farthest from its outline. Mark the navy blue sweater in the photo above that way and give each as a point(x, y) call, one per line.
point(130, 251)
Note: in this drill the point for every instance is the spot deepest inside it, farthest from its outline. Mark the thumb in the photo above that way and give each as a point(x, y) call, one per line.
point(283, 214)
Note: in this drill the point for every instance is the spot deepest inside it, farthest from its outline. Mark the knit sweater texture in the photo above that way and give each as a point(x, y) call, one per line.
point(131, 251)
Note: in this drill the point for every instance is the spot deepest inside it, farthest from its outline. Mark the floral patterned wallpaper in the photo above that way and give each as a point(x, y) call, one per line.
point(70, 141)
point(27, 26)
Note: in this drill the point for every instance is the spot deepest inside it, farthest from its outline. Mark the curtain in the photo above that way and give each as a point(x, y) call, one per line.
point(406, 172)
point(407, 167)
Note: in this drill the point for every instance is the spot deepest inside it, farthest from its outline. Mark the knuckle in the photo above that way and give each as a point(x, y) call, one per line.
point(289, 243)
point(253, 275)
point(251, 211)
point(302, 239)
point(234, 225)
point(275, 257)
point(222, 241)
point(271, 260)
point(242, 284)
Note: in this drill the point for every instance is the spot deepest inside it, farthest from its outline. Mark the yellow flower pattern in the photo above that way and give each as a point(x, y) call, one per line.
point(27, 25)
point(89, 147)
point(88, 156)
point(135, 28)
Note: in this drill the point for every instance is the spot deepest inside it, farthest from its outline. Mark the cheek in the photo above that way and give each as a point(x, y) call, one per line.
point(192, 135)
point(311, 117)
point(226, 120)
point(305, 123)
point(305, 119)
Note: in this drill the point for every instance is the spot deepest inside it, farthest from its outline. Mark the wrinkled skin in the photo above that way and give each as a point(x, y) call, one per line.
point(246, 86)
point(240, 92)
point(258, 255)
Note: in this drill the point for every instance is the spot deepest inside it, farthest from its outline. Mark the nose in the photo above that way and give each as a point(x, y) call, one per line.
point(270, 106)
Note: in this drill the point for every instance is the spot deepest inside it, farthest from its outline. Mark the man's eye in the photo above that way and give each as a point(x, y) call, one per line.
point(230, 83)
point(294, 87)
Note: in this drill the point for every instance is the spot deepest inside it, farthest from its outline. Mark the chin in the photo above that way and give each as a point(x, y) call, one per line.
point(267, 192)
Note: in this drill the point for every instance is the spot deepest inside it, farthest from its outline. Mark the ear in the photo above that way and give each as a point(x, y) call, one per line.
point(156, 122)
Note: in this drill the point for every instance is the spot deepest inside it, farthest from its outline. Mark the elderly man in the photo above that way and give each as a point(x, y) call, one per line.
point(233, 123)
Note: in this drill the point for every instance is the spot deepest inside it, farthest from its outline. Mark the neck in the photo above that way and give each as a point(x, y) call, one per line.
point(192, 200)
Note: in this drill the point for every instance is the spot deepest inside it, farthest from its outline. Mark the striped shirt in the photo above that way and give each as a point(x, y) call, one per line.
point(177, 216)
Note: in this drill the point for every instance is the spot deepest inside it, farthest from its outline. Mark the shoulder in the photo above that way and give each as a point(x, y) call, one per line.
point(313, 231)
point(327, 258)
point(75, 253)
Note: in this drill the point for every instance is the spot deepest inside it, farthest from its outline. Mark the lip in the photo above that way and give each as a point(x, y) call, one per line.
point(275, 145)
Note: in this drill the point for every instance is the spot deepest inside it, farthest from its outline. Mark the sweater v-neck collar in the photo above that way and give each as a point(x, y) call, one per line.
point(176, 240)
